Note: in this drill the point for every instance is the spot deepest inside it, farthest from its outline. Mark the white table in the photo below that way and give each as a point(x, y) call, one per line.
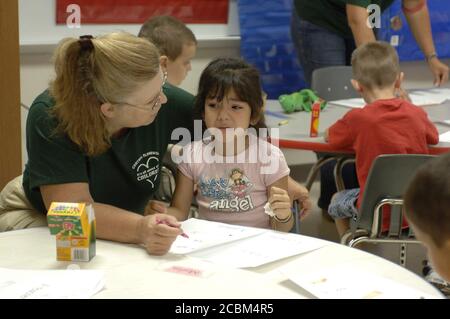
point(295, 134)
point(131, 273)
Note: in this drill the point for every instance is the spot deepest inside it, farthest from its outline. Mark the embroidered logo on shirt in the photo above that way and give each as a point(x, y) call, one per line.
point(147, 167)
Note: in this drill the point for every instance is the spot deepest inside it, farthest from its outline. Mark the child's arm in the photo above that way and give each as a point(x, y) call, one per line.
point(340, 135)
point(182, 197)
point(432, 133)
point(281, 205)
point(326, 135)
point(299, 192)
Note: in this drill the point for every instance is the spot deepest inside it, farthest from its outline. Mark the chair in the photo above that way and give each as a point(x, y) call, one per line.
point(296, 215)
point(388, 179)
point(330, 83)
point(333, 83)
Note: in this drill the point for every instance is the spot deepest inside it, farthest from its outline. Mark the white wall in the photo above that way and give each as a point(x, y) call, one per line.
point(37, 24)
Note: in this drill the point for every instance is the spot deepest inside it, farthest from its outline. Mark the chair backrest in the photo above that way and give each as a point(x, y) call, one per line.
point(388, 178)
point(333, 83)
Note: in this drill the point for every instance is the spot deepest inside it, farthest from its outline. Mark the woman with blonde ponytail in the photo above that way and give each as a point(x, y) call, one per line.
point(98, 135)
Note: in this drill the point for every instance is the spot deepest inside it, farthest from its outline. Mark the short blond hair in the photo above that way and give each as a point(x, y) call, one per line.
point(96, 71)
point(375, 65)
point(168, 34)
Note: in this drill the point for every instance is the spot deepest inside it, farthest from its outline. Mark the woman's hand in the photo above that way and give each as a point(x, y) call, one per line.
point(439, 70)
point(157, 232)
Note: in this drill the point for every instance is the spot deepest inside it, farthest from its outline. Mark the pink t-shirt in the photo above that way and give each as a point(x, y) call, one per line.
point(234, 191)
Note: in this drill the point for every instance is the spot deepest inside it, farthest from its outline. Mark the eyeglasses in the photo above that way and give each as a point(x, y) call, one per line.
point(154, 103)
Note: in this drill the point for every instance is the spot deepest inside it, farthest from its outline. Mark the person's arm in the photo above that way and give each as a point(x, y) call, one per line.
point(118, 224)
point(357, 21)
point(182, 197)
point(432, 134)
point(325, 136)
point(281, 205)
point(299, 192)
point(418, 17)
point(340, 135)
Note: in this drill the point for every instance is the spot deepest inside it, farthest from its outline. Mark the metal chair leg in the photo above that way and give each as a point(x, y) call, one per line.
point(315, 169)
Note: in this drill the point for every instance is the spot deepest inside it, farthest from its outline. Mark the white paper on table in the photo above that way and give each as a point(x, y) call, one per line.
point(261, 249)
point(429, 97)
point(50, 284)
point(418, 97)
point(355, 103)
point(205, 234)
point(444, 137)
point(348, 283)
point(445, 122)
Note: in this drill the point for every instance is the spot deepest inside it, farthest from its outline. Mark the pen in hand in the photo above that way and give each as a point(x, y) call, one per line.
point(158, 221)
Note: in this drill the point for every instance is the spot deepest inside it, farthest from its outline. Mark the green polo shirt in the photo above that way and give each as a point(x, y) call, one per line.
point(124, 176)
point(331, 14)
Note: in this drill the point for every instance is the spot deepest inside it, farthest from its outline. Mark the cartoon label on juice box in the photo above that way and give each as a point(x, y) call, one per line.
point(73, 225)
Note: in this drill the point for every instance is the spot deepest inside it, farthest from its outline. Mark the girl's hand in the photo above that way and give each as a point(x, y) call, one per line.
point(155, 207)
point(280, 202)
point(299, 192)
point(306, 204)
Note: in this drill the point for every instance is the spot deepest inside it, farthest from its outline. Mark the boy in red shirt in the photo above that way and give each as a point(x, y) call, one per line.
point(387, 124)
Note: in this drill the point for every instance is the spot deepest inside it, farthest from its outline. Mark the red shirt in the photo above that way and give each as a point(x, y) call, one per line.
point(392, 126)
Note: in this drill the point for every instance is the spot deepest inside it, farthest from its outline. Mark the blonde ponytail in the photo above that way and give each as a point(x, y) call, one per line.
point(90, 72)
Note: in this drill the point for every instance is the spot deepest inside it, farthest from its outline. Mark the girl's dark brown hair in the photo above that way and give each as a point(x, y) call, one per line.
point(222, 75)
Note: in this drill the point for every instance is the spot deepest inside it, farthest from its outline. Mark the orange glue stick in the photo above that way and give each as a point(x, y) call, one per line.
point(315, 112)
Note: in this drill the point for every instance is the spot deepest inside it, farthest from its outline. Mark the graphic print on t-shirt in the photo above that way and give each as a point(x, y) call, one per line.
point(147, 167)
point(230, 193)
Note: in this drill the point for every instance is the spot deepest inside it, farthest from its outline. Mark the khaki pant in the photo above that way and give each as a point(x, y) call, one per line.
point(16, 211)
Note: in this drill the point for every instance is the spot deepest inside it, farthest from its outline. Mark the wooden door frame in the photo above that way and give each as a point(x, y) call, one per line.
point(10, 122)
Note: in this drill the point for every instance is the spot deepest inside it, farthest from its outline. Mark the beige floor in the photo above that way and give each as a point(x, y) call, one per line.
point(315, 224)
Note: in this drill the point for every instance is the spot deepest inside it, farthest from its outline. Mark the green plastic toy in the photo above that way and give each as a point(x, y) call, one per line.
point(300, 101)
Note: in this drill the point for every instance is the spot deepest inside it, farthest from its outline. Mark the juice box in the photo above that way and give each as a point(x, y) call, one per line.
point(74, 227)
point(315, 112)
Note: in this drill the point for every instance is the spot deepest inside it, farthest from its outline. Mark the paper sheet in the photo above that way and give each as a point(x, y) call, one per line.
point(418, 97)
point(204, 234)
point(261, 249)
point(350, 283)
point(49, 284)
point(352, 103)
point(444, 137)
point(445, 122)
